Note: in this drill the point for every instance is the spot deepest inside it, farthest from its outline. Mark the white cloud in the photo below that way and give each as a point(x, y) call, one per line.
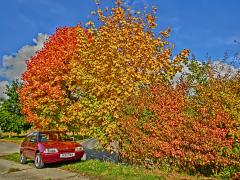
point(222, 69)
point(176, 78)
point(2, 89)
point(14, 65)
point(136, 4)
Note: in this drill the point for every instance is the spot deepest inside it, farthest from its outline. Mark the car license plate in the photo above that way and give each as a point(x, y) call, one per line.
point(67, 155)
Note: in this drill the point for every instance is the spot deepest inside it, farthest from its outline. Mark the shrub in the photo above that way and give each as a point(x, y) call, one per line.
point(157, 128)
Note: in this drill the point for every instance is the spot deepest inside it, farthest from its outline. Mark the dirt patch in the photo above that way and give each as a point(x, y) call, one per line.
point(10, 170)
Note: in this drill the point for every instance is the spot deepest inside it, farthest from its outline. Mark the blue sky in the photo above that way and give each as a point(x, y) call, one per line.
point(203, 26)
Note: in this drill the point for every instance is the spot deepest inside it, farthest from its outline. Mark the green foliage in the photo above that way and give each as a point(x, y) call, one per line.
point(11, 119)
point(228, 172)
point(198, 72)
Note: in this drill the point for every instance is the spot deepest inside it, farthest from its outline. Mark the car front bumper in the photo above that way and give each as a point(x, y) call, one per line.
point(55, 157)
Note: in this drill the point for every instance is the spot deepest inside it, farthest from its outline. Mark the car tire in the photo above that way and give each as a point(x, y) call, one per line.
point(38, 161)
point(23, 159)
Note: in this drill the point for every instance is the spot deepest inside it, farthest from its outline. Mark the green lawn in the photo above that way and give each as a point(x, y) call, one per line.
point(11, 157)
point(14, 139)
point(111, 171)
point(106, 170)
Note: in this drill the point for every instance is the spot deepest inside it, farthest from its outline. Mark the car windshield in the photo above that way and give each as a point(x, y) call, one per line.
point(50, 136)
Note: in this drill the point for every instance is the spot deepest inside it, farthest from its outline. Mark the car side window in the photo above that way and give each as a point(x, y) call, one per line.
point(32, 138)
point(43, 137)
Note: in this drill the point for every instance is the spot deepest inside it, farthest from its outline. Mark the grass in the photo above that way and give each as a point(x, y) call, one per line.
point(106, 170)
point(110, 171)
point(14, 139)
point(12, 157)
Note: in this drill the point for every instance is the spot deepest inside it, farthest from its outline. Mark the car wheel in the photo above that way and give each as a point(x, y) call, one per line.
point(23, 159)
point(38, 161)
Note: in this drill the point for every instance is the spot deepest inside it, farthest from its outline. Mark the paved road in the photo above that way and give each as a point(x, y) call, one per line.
point(14, 171)
point(10, 170)
point(8, 148)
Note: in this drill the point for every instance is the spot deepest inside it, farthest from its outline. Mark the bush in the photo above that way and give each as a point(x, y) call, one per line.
point(157, 128)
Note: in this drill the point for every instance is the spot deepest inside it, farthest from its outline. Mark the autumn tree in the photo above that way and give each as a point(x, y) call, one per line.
point(82, 76)
point(43, 94)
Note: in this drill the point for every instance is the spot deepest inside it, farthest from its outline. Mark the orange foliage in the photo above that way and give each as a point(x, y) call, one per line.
point(159, 127)
point(82, 76)
point(43, 94)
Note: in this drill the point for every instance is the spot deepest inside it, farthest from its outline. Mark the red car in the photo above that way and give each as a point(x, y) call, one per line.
point(46, 147)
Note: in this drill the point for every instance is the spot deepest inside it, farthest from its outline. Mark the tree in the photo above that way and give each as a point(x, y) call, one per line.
point(11, 119)
point(44, 93)
point(83, 75)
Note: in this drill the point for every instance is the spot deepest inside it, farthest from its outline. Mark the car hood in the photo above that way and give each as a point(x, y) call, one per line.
point(60, 145)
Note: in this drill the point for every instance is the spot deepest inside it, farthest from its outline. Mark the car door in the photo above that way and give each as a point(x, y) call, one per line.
point(24, 145)
point(32, 146)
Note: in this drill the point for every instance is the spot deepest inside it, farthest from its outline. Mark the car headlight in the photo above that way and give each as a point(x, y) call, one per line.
point(80, 148)
point(51, 150)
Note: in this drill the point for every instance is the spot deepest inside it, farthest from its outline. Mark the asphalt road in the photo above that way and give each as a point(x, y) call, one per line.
point(8, 148)
point(10, 170)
